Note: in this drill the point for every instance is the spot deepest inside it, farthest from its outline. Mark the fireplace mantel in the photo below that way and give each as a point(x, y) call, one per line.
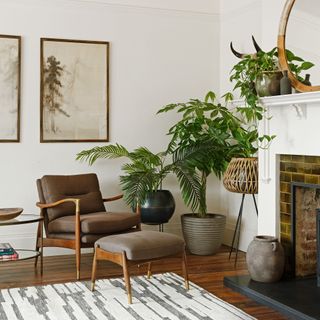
point(286, 100)
point(295, 120)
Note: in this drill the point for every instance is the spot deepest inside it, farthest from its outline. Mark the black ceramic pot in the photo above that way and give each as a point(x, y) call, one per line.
point(158, 207)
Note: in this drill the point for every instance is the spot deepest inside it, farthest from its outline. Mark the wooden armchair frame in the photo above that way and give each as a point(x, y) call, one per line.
point(69, 243)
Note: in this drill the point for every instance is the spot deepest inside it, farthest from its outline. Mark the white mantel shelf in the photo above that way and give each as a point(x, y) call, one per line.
point(294, 120)
point(285, 100)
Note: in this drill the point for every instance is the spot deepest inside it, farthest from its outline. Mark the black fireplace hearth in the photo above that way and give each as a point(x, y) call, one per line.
point(297, 298)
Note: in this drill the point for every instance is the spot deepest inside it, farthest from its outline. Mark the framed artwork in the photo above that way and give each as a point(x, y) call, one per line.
point(10, 62)
point(74, 100)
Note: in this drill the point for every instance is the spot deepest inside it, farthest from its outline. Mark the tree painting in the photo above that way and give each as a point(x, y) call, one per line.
point(53, 98)
point(74, 90)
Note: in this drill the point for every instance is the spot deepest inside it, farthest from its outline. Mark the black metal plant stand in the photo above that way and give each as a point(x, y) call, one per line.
point(236, 234)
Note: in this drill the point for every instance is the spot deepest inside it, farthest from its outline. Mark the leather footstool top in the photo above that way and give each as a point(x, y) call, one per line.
point(143, 245)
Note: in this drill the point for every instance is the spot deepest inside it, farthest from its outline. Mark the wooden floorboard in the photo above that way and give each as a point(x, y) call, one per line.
point(206, 271)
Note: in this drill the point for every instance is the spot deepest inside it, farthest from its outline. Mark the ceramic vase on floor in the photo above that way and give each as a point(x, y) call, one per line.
point(265, 259)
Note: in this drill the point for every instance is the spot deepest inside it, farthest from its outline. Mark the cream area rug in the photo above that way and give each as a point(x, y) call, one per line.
point(160, 297)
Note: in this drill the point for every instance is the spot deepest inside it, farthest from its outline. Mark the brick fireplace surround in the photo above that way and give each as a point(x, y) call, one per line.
point(299, 199)
point(293, 158)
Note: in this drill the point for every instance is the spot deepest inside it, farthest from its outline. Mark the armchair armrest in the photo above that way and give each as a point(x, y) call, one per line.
point(117, 197)
point(54, 204)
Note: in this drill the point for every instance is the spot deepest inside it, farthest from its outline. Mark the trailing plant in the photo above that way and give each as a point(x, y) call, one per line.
point(251, 67)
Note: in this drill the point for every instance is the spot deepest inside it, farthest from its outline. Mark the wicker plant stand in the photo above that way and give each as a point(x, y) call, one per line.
point(241, 176)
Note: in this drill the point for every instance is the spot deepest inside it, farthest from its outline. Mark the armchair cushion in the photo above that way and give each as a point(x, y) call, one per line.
point(83, 186)
point(95, 223)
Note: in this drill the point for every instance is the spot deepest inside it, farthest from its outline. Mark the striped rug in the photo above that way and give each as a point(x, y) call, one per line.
point(161, 297)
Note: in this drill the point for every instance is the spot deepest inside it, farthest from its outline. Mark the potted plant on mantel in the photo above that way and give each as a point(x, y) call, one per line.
point(217, 135)
point(258, 75)
point(143, 177)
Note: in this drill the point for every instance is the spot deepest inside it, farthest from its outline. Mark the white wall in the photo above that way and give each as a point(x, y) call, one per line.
point(160, 53)
point(240, 20)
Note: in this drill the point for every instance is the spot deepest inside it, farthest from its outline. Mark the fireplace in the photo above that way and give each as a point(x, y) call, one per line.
point(299, 200)
point(305, 202)
point(298, 293)
point(294, 120)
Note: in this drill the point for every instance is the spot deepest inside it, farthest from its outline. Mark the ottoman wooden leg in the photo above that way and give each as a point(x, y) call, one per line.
point(94, 269)
point(149, 270)
point(185, 270)
point(126, 276)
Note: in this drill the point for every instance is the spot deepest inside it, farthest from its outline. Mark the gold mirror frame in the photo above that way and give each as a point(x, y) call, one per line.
point(298, 85)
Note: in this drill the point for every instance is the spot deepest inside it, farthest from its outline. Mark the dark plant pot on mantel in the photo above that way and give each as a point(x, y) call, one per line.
point(158, 207)
point(204, 235)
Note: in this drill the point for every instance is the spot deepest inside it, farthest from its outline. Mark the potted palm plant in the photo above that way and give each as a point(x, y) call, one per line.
point(143, 177)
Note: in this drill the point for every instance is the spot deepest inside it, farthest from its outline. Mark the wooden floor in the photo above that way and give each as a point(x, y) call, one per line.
point(206, 271)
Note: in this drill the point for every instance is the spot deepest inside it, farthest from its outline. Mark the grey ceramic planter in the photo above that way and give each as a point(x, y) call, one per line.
point(203, 236)
point(265, 259)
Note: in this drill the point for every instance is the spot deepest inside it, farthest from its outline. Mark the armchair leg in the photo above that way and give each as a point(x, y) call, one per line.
point(37, 242)
point(78, 258)
point(78, 261)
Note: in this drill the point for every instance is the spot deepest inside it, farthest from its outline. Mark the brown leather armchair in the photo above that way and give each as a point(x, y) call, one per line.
point(75, 215)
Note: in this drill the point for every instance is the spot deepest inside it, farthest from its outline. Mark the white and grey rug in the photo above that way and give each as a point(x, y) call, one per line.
point(161, 297)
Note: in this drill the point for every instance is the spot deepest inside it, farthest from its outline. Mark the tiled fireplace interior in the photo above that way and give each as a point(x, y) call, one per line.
point(299, 199)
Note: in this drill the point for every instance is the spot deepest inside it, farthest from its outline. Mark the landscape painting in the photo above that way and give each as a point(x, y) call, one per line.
point(74, 90)
point(10, 55)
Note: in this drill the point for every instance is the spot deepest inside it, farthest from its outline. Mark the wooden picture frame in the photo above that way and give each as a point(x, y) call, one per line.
point(10, 77)
point(74, 95)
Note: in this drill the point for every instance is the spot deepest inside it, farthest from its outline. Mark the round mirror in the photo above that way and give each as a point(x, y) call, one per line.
point(299, 34)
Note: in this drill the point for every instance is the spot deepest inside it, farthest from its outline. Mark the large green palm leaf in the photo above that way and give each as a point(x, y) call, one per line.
point(107, 152)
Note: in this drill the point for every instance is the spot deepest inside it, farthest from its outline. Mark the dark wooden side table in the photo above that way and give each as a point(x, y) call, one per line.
point(25, 254)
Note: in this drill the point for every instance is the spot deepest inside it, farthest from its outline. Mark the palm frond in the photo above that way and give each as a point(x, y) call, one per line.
point(190, 186)
point(107, 152)
point(136, 186)
point(143, 154)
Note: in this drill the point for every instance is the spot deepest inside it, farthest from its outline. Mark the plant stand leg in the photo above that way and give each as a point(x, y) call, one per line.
point(236, 233)
point(255, 203)
point(238, 237)
point(161, 227)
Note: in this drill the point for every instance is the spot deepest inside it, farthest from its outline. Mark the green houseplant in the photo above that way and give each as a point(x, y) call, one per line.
point(254, 68)
point(217, 135)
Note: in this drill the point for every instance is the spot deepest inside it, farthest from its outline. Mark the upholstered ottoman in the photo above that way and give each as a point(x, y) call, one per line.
point(137, 248)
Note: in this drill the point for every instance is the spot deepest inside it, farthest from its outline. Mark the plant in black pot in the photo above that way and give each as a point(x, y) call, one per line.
point(142, 180)
point(205, 132)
